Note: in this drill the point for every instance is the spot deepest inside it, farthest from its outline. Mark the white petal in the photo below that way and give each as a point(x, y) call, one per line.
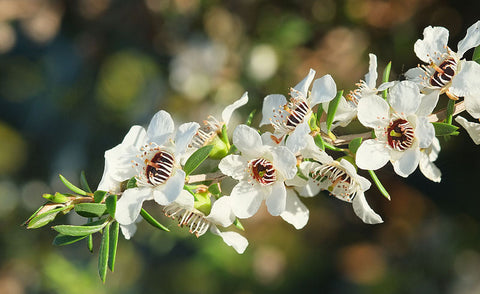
point(465, 82)
point(472, 105)
point(246, 199)
point(167, 193)
point(130, 204)
point(268, 141)
point(160, 127)
point(185, 200)
point(416, 75)
point(372, 155)
point(128, 230)
point(434, 42)
point(247, 140)
point(344, 114)
point(429, 169)
point(296, 141)
point(424, 132)
point(471, 40)
point(271, 105)
point(324, 89)
point(233, 166)
point(227, 112)
point(364, 211)
point(303, 86)
point(473, 129)
point(373, 111)
point(428, 103)
point(221, 212)
point(276, 200)
point(183, 137)
point(407, 163)
point(284, 161)
point(371, 76)
point(234, 239)
point(385, 86)
point(296, 213)
point(136, 137)
point(404, 97)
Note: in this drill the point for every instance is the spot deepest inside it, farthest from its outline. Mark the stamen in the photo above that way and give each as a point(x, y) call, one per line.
point(335, 179)
point(262, 171)
point(400, 134)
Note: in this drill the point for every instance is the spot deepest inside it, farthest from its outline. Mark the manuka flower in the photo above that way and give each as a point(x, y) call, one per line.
point(401, 128)
point(446, 71)
point(158, 173)
point(427, 157)
point(261, 170)
point(286, 117)
point(473, 129)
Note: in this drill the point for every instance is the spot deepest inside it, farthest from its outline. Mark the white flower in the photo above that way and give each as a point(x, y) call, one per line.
point(340, 179)
point(446, 71)
point(400, 130)
point(198, 223)
point(427, 157)
point(286, 117)
point(261, 170)
point(473, 129)
point(157, 171)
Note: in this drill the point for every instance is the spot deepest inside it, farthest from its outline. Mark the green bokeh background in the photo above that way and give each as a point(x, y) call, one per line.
point(75, 75)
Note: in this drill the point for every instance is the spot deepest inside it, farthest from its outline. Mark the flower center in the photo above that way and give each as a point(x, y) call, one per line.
point(159, 168)
point(211, 126)
point(262, 171)
point(297, 114)
point(443, 73)
point(400, 134)
point(195, 220)
point(336, 180)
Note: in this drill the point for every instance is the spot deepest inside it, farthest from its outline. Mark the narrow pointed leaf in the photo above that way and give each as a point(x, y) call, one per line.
point(61, 240)
point(444, 129)
point(103, 253)
point(90, 209)
point(112, 247)
point(476, 55)
point(41, 219)
point(71, 186)
point(111, 203)
point(98, 196)
point(215, 189)
point(90, 243)
point(238, 224)
point(386, 77)
point(379, 184)
point(354, 144)
point(56, 198)
point(224, 135)
point(250, 117)
point(84, 183)
point(84, 230)
point(319, 113)
point(196, 159)
point(450, 111)
point(319, 142)
point(146, 216)
point(332, 109)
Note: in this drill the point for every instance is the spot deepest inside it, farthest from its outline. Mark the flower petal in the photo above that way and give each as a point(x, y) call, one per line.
point(429, 169)
point(428, 103)
point(234, 239)
point(471, 40)
point(424, 132)
point(295, 213)
point(407, 163)
point(404, 97)
point(233, 166)
point(221, 212)
point(297, 140)
point(277, 199)
point(227, 112)
point(271, 105)
point(284, 161)
point(465, 82)
point(372, 155)
point(184, 136)
point(303, 86)
point(246, 199)
point(324, 89)
point(371, 76)
point(167, 193)
point(434, 43)
point(364, 211)
point(136, 137)
point(160, 127)
point(247, 140)
point(130, 204)
point(128, 230)
point(373, 111)
point(472, 105)
point(473, 129)
point(416, 75)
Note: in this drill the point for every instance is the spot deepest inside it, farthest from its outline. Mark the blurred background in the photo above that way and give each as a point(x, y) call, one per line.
point(75, 75)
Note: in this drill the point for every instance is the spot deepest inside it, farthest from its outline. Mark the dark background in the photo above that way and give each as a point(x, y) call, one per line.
point(75, 75)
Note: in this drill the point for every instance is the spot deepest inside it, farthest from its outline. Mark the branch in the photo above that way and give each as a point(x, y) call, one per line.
point(216, 177)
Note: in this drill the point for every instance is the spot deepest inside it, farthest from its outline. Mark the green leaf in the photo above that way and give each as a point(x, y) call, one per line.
point(379, 184)
point(103, 253)
point(72, 187)
point(444, 129)
point(112, 248)
point(84, 183)
point(319, 142)
point(224, 136)
point(250, 117)
point(98, 196)
point(215, 189)
point(332, 109)
point(238, 224)
point(44, 218)
point(84, 230)
point(450, 111)
point(476, 54)
point(196, 159)
point(132, 183)
point(91, 209)
point(386, 76)
point(90, 243)
point(319, 113)
point(56, 198)
point(111, 203)
point(61, 239)
point(146, 216)
point(354, 144)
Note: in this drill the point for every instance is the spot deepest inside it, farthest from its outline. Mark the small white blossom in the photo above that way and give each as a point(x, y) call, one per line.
point(473, 129)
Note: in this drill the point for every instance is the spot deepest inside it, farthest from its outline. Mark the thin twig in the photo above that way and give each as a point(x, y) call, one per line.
point(441, 115)
point(216, 177)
